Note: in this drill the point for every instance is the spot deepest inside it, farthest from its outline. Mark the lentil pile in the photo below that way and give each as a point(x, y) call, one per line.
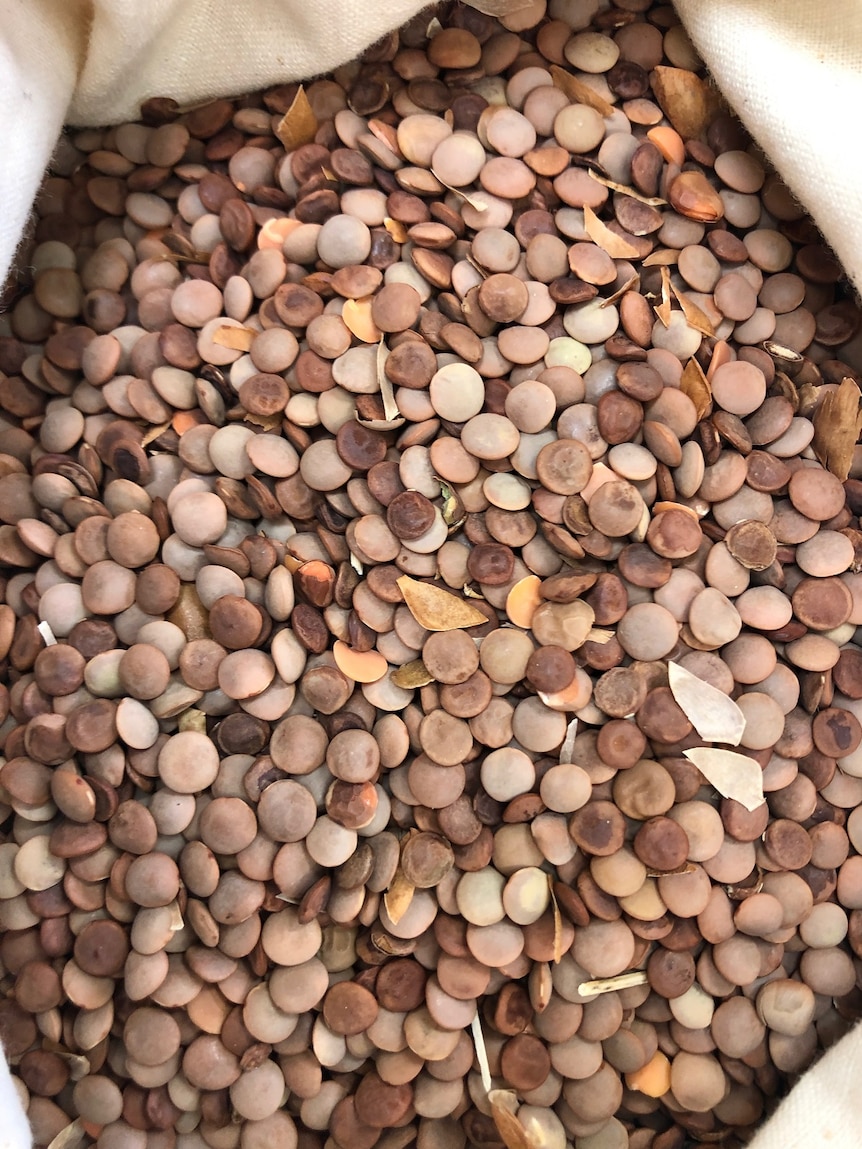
point(430, 528)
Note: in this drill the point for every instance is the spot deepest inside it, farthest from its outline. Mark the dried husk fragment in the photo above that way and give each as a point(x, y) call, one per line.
point(752, 544)
point(612, 984)
point(298, 125)
point(499, 7)
point(837, 426)
point(234, 338)
point(69, 1136)
point(733, 775)
point(663, 309)
point(387, 394)
point(558, 923)
point(579, 92)
point(481, 1051)
point(267, 422)
point(567, 750)
point(662, 257)
point(412, 675)
point(602, 236)
point(504, 1107)
point(396, 229)
point(356, 314)
point(475, 204)
point(649, 200)
point(685, 868)
point(630, 283)
point(694, 316)
point(436, 609)
point(601, 635)
point(696, 385)
point(159, 429)
point(684, 99)
point(193, 719)
point(398, 897)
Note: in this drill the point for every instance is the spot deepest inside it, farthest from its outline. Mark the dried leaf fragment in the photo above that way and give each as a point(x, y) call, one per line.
point(683, 97)
point(500, 7)
point(662, 257)
point(398, 897)
point(601, 235)
point(649, 200)
point(79, 1066)
point(620, 292)
point(837, 426)
point(268, 422)
point(48, 638)
point(69, 1136)
point(567, 750)
point(685, 868)
point(738, 893)
point(154, 433)
point(474, 203)
point(453, 511)
point(504, 1108)
point(381, 424)
point(235, 338)
point(714, 715)
point(193, 719)
point(298, 125)
point(694, 316)
point(664, 308)
point(612, 984)
point(733, 775)
point(176, 917)
point(579, 92)
point(481, 1052)
point(600, 635)
point(436, 609)
point(412, 675)
point(696, 385)
point(541, 986)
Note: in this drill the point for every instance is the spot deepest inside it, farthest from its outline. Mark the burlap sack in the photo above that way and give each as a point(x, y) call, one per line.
point(792, 69)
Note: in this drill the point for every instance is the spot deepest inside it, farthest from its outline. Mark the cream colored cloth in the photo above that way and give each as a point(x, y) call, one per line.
point(791, 68)
point(824, 1110)
point(14, 1132)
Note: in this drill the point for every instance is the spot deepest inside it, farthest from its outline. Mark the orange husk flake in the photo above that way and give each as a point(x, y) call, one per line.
point(236, 338)
point(185, 420)
point(573, 697)
point(669, 143)
point(275, 231)
point(356, 314)
point(523, 600)
point(359, 665)
point(653, 1079)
